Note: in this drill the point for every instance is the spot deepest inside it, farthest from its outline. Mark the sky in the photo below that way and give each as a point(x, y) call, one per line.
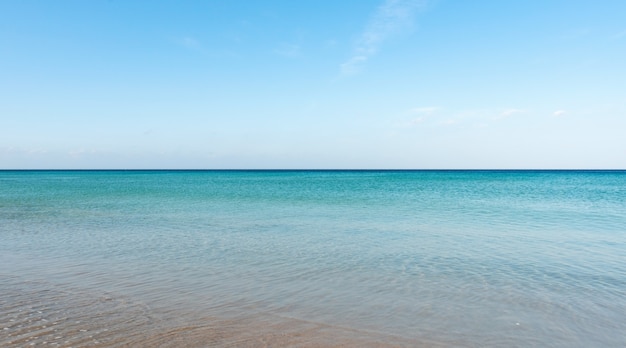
point(313, 84)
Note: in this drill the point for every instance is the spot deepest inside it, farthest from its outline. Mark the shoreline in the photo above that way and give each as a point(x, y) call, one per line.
point(36, 313)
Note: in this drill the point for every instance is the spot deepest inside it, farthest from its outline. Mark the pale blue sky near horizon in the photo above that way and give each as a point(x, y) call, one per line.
point(406, 84)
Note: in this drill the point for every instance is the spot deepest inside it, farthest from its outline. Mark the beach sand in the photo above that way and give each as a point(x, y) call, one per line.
point(39, 314)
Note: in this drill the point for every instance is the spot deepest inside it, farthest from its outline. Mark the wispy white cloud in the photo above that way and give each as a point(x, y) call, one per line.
point(419, 115)
point(392, 17)
point(426, 110)
point(559, 113)
point(189, 42)
point(353, 65)
point(288, 50)
point(507, 113)
point(198, 47)
point(510, 112)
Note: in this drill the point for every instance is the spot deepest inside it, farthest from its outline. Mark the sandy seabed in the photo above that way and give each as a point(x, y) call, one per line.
point(38, 314)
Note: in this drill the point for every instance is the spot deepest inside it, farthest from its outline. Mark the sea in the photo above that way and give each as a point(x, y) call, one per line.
point(313, 258)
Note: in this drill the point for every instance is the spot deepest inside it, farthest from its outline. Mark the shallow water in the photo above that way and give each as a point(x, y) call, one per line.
point(232, 258)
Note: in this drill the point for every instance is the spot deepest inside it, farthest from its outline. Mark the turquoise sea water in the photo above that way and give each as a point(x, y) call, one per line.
point(457, 258)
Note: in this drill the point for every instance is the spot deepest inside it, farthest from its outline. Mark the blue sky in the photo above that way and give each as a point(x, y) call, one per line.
point(313, 84)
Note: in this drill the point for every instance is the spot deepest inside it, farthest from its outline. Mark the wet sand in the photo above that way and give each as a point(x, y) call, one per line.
point(41, 314)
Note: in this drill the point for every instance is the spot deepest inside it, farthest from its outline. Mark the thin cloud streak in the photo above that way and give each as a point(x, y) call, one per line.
point(507, 113)
point(391, 18)
point(425, 110)
point(189, 42)
point(288, 50)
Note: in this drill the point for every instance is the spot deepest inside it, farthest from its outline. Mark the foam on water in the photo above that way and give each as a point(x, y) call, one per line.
point(389, 257)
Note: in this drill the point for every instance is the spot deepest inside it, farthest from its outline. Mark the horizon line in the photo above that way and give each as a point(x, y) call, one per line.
point(308, 169)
